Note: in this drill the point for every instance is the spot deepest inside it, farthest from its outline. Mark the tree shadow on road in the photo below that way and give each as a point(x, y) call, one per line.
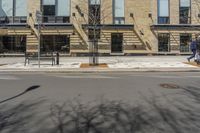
point(21, 118)
point(180, 115)
point(120, 117)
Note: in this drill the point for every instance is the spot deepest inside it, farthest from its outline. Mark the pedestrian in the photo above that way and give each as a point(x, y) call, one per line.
point(193, 48)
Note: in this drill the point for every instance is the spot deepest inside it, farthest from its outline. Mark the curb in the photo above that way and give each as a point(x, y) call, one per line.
point(102, 70)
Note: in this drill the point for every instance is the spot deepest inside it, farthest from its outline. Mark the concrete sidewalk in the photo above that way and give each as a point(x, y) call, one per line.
point(115, 63)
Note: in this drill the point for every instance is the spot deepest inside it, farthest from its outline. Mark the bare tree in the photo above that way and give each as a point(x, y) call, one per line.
point(94, 13)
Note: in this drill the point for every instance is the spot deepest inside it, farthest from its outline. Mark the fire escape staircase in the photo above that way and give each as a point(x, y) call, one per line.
point(32, 39)
point(140, 35)
point(78, 27)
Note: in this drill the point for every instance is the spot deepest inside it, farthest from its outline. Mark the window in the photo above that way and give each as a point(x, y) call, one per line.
point(94, 12)
point(13, 11)
point(94, 19)
point(95, 2)
point(185, 12)
point(20, 11)
point(163, 42)
point(52, 43)
point(163, 11)
point(118, 12)
point(185, 40)
point(56, 11)
point(12, 44)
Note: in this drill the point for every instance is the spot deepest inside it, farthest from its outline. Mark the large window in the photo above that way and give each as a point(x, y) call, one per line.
point(94, 12)
point(13, 11)
point(94, 19)
point(12, 44)
point(163, 42)
point(56, 11)
point(118, 12)
point(163, 12)
point(185, 40)
point(185, 12)
point(54, 43)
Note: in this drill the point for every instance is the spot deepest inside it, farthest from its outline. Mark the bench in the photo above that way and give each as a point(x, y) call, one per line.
point(43, 57)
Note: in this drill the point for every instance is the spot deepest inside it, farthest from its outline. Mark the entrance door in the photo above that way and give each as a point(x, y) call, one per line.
point(116, 42)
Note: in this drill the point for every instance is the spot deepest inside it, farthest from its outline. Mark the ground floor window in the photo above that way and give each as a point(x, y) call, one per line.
point(55, 43)
point(12, 44)
point(163, 42)
point(185, 40)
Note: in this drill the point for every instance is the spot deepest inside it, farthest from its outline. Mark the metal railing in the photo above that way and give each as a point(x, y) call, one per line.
point(12, 20)
point(56, 19)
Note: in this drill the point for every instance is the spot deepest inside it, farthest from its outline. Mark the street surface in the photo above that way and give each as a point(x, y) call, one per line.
point(171, 90)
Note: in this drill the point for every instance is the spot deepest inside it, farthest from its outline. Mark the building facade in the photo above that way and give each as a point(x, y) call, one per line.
point(122, 26)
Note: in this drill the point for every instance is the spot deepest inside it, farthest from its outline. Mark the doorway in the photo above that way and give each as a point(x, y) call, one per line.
point(116, 43)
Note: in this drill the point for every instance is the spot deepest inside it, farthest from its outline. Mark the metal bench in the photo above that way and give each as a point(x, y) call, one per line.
point(43, 57)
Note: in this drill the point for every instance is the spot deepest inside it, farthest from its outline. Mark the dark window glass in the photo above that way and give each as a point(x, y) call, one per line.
point(163, 20)
point(94, 36)
point(185, 40)
point(163, 42)
point(49, 10)
point(185, 15)
point(12, 44)
point(94, 19)
point(49, 13)
point(56, 11)
point(116, 42)
point(185, 11)
point(94, 14)
point(51, 43)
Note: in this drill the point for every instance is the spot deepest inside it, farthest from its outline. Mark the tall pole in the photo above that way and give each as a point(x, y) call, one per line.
point(39, 17)
point(38, 44)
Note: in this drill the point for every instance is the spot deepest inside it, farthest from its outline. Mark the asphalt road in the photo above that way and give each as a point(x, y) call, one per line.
point(90, 86)
point(178, 92)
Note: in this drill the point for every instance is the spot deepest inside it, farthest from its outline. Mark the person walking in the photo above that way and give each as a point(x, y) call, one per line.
point(193, 48)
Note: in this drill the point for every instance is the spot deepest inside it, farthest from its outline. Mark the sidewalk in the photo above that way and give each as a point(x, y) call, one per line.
point(115, 63)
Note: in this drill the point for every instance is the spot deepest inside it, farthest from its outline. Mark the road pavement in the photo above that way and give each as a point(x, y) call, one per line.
point(170, 89)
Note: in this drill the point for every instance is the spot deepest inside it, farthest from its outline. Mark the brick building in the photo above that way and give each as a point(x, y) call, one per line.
point(125, 26)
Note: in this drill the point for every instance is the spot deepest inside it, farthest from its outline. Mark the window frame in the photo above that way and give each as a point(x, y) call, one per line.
point(158, 13)
point(190, 21)
point(168, 46)
point(91, 28)
point(55, 44)
point(119, 19)
point(188, 47)
point(55, 18)
point(14, 19)
point(12, 43)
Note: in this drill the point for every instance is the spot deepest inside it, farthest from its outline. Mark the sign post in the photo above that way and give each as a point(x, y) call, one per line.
point(39, 18)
